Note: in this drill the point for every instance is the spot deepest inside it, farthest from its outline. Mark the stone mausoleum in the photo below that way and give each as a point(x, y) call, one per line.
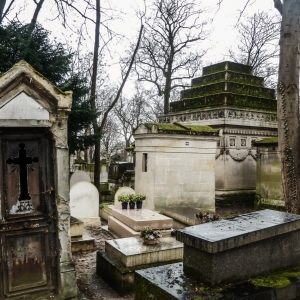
point(35, 255)
point(229, 98)
point(175, 165)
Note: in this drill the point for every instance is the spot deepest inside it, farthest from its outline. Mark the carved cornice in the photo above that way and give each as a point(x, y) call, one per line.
point(220, 114)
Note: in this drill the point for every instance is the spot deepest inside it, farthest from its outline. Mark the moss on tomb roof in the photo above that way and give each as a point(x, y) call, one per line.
point(266, 141)
point(177, 128)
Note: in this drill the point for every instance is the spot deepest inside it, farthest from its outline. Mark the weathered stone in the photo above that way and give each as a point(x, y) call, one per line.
point(123, 256)
point(175, 165)
point(84, 202)
point(169, 282)
point(257, 242)
point(79, 176)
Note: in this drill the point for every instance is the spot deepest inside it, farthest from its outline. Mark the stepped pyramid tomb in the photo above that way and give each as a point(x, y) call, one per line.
point(229, 98)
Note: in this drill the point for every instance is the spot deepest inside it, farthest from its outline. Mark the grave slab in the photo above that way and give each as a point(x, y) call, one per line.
point(120, 228)
point(132, 252)
point(123, 256)
point(138, 219)
point(257, 242)
point(169, 282)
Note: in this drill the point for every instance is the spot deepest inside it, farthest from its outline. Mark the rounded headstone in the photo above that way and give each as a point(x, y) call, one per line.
point(84, 201)
point(121, 191)
point(79, 176)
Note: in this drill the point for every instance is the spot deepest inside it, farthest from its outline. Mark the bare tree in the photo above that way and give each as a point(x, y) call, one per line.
point(131, 112)
point(166, 58)
point(111, 139)
point(257, 46)
point(98, 128)
point(5, 11)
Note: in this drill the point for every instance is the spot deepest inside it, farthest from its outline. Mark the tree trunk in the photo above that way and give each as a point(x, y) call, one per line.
point(288, 104)
point(93, 97)
point(2, 5)
point(35, 15)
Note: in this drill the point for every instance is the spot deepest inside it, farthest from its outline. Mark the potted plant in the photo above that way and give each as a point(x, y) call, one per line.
point(150, 236)
point(139, 198)
point(124, 199)
point(132, 201)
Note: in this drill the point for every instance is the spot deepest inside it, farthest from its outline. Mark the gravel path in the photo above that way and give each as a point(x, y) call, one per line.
point(90, 285)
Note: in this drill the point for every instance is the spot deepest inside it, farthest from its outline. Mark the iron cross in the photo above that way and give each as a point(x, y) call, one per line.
point(23, 161)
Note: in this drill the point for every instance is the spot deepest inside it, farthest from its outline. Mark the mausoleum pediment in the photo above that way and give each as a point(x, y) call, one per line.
point(23, 107)
point(29, 99)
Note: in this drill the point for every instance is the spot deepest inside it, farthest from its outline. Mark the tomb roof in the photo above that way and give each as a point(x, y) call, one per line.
point(177, 128)
point(28, 76)
point(226, 84)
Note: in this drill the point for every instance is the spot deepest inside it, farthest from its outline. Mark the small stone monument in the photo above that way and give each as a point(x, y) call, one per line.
point(122, 191)
point(79, 176)
point(84, 202)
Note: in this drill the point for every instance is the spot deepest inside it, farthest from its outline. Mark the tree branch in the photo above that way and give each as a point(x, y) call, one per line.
point(124, 80)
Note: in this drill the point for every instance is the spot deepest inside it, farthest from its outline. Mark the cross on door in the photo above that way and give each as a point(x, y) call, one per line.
point(23, 161)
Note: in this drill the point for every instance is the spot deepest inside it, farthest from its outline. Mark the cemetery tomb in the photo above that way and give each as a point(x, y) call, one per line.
point(123, 256)
point(84, 202)
point(35, 254)
point(234, 250)
point(128, 223)
point(175, 165)
point(228, 97)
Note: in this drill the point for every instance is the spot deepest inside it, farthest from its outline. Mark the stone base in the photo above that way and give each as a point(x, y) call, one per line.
point(91, 220)
point(83, 243)
point(133, 252)
point(243, 198)
point(185, 215)
point(169, 283)
point(270, 203)
point(119, 277)
point(120, 228)
point(123, 256)
point(76, 227)
point(241, 247)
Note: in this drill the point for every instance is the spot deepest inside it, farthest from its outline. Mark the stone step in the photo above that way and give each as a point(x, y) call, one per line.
point(133, 252)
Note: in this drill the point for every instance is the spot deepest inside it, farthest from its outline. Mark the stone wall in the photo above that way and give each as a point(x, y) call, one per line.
point(180, 170)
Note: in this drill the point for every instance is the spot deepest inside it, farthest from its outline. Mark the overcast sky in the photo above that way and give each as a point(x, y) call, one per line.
point(222, 24)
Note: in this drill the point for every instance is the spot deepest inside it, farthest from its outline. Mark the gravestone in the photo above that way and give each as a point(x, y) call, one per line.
point(122, 191)
point(35, 254)
point(103, 172)
point(79, 176)
point(84, 202)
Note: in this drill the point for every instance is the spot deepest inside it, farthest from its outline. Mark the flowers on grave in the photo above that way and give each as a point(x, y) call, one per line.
point(139, 197)
point(205, 217)
point(149, 235)
point(124, 198)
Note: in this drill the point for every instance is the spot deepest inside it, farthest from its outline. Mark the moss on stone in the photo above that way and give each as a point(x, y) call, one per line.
point(266, 141)
point(173, 128)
